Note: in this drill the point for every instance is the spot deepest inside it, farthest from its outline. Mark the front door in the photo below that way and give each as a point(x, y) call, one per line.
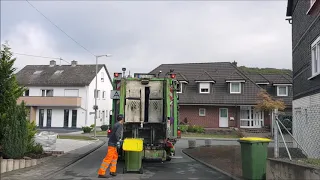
point(66, 118)
point(74, 118)
point(223, 117)
point(49, 117)
point(41, 117)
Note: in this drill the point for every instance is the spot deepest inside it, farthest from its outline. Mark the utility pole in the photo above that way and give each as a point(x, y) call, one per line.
point(95, 107)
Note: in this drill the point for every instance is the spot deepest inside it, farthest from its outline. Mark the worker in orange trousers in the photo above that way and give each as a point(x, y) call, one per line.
point(112, 155)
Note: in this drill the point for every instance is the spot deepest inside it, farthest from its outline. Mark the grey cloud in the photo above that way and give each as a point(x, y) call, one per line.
point(138, 33)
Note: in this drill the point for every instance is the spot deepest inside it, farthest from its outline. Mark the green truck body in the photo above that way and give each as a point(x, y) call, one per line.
point(150, 108)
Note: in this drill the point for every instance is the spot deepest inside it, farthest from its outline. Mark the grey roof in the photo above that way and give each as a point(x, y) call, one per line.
point(205, 76)
point(79, 75)
point(220, 72)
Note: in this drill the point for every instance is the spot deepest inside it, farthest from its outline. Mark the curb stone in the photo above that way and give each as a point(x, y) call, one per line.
point(212, 167)
point(51, 174)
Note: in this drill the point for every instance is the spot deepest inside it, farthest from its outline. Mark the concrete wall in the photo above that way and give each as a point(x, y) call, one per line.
point(280, 169)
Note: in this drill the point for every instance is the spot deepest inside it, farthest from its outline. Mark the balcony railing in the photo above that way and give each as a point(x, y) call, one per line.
point(51, 101)
point(251, 123)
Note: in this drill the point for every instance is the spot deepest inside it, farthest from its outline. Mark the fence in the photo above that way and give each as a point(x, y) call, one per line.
point(298, 137)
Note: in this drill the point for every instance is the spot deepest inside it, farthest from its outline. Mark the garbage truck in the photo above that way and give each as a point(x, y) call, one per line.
point(150, 108)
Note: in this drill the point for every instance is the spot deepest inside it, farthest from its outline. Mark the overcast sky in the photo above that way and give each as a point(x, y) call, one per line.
point(254, 34)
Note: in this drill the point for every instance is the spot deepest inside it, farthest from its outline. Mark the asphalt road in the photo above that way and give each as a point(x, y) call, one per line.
point(181, 167)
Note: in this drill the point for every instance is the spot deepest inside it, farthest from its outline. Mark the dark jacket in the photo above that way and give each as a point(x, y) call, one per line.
point(116, 134)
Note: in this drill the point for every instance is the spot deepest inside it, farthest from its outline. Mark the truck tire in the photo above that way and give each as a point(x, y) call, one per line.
point(141, 170)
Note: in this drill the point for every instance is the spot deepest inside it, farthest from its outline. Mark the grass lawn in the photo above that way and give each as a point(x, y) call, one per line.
point(315, 162)
point(209, 135)
point(86, 138)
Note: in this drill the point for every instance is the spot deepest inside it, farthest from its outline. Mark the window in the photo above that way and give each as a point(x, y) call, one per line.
point(37, 72)
point(71, 92)
point(315, 56)
point(282, 90)
point(204, 88)
point(58, 72)
point(202, 112)
point(102, 77)
point(103, 94)
point(179, 87)
point(47, 92)
point(26, 93)
point(97, 94)
point(235, 87)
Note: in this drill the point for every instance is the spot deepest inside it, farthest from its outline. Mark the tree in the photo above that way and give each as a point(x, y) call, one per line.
point(266, 103)
point(13, 125)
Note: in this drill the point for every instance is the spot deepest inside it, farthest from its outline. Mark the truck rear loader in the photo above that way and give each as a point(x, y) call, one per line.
point(150, 108)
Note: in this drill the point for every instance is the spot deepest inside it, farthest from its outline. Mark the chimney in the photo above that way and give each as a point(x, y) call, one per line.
point(52, 63)
point(74, 63)
point(234, 63)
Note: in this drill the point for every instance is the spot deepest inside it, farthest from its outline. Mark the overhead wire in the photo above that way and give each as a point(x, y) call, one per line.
point(60, 29)
point(46, 57)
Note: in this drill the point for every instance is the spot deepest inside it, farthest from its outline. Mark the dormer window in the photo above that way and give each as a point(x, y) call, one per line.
point(235, 87)
point(37, 72)
point(180, 85)
point(204, 88)
point(58, 72)
point(282, 90)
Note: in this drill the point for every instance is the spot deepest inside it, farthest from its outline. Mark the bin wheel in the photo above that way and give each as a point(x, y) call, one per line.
point(168, 158)
point(124, 170)
point(141, 170)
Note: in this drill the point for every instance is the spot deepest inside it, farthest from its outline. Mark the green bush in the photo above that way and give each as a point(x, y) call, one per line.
point(35, 149)
point(104, 127)
point(195, 129)
point(183, 128)
point(31, 146)
point(15, 133)
point(87, 129)
point(198, 129)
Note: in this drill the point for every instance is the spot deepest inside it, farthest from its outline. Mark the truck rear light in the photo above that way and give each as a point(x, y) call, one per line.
point(116, 74)
point(173, 76)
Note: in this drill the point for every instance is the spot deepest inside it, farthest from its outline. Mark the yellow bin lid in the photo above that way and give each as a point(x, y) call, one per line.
point(255, 139)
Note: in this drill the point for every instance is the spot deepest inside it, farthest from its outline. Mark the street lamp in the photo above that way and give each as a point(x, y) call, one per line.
point(95, 107)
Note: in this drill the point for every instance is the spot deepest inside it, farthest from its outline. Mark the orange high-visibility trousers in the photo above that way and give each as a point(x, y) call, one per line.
point(111, 158)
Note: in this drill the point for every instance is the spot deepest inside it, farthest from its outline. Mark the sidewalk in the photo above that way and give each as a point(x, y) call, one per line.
point(42, 171)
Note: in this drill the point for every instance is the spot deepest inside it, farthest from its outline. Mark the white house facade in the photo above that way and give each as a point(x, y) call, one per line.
point(63, 96)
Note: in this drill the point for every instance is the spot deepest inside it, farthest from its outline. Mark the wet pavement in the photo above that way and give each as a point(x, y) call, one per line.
point(180, 167)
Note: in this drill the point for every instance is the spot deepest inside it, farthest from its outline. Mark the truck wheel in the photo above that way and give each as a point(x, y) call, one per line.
point(124, 170)
point(141, 170)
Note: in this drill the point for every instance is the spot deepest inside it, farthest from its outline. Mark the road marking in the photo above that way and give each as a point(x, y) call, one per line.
point(193, 178)
point(176, 157)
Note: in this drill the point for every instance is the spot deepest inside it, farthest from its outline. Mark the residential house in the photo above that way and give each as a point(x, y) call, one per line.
point(63, 95)
point(305, 19)
point(220, 95)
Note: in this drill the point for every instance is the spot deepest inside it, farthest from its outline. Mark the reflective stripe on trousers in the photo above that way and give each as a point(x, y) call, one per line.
point(111, 158)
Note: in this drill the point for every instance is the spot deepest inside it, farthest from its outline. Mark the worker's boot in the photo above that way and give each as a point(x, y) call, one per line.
point(102, 176)
point(113, 173)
